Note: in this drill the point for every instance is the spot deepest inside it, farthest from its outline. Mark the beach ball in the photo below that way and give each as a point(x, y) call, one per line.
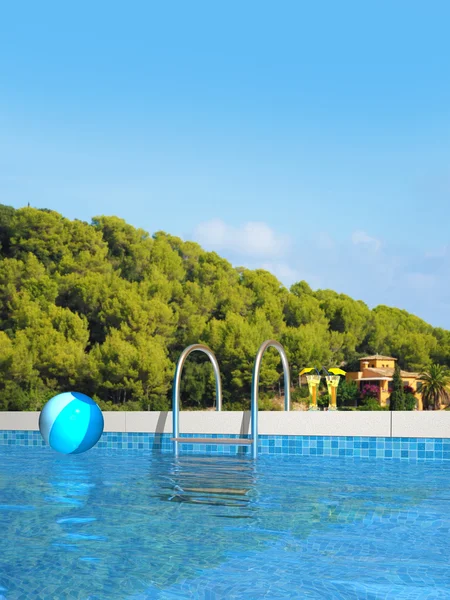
point(71, 423)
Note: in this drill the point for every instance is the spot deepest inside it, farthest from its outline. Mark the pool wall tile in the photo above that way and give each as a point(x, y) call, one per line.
point(356, 447)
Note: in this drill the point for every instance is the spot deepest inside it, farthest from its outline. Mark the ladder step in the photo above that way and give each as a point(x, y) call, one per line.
point(240, 492)
point(214, 441)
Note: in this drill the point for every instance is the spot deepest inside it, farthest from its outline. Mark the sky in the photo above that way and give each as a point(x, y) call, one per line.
point(311, 139)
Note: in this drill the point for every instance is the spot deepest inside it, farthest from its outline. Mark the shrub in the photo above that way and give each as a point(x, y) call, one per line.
point(410, 401)
point(236, 405)
point(267, 404)
point(323, 400)
point(264, 403)
point(371, 404)
point(347, 394)
point(300, 393)
point(108, 405)
point(369, 391)
point(397, 397)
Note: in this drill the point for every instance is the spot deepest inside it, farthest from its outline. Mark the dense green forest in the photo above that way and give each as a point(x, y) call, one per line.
point(105, 308)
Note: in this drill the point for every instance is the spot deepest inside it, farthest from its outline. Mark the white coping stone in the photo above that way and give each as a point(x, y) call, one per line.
point(29, 421)
point(152, 421)
point(190, 422)
point(19, 421)
point(375, 423)
point(115, 420)
point(237, 422)
point(430, 424)
point(365, 423)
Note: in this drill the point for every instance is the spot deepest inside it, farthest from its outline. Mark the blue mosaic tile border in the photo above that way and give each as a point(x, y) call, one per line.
point(357, 447)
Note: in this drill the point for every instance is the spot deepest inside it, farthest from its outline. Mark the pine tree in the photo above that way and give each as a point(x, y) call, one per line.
point(397, 399)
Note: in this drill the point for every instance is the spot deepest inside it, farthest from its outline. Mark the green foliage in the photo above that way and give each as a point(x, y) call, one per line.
point(410, 402)
point(347, 394)
point(435, 387)
point(371, 404)
point(299, 394)
point(243, 404)
point(323, 400)
point(106, 309)
point(397, 397)
point(269, 404)
point(397, 333)
point(6, 221)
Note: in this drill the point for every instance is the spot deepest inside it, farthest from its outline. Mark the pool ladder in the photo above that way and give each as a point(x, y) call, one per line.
point(253, 440)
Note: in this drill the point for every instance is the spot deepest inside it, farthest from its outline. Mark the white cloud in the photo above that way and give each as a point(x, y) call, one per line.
point(254, 238)
point(361, 266)
point(282, 271)
point(361, 237)
point(212, 233)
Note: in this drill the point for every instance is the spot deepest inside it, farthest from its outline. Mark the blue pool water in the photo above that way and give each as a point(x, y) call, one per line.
point(133, 525)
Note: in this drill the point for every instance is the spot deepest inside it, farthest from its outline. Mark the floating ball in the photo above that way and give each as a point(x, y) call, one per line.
point(71, 423)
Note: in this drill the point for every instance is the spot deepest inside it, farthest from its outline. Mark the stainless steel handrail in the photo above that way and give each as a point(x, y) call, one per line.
point(177, 383)
point(255, 386)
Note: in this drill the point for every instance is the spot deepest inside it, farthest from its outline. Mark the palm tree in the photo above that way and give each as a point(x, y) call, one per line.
point(435, 387)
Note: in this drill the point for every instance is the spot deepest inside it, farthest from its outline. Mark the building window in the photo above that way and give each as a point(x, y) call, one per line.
point(419, 386)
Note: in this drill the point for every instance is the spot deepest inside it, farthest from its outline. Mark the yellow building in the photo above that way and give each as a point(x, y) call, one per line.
point(379, 370)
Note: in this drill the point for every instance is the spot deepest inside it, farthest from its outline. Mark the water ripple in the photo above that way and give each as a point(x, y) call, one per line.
point(111, 525)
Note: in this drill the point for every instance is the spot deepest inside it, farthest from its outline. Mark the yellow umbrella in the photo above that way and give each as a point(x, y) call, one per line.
point(306, 370)
point(337, 371)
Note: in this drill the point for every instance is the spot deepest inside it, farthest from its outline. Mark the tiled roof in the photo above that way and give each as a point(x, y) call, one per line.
point(378, 356)
point(387, 373)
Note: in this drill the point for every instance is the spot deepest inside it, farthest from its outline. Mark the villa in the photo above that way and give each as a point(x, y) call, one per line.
point(379, 370)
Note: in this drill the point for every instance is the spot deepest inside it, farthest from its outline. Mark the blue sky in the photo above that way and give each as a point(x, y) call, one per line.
point(308, 138)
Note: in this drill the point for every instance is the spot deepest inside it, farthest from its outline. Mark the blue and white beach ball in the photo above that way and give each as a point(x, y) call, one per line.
point(71, 423)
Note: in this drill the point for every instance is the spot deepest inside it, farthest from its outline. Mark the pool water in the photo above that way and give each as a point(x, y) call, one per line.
point(132, 525)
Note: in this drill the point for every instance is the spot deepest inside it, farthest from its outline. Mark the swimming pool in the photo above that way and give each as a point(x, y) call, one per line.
point(134, 525)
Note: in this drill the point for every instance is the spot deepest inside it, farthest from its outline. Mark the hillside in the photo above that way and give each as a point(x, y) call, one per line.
point(106, 309)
